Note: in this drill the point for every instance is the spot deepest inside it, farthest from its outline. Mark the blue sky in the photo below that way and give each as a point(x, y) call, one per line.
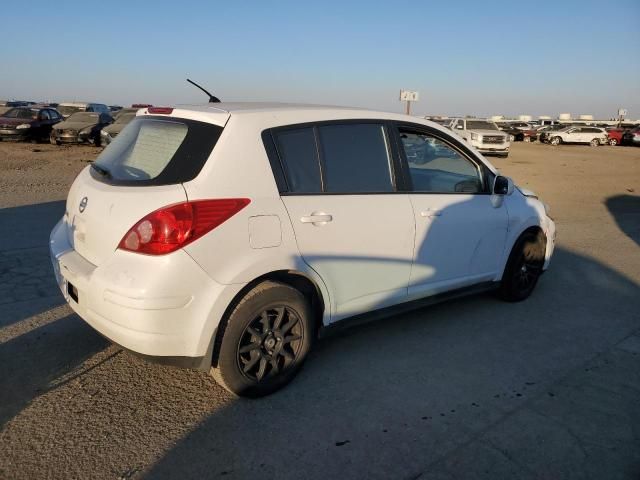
point(483, 58)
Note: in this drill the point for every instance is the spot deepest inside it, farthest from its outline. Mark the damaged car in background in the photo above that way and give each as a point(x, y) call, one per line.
point(28, 123)
point(110, 132)
point(80, 127)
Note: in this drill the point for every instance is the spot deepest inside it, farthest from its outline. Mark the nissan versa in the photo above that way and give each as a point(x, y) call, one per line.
point(226, 236)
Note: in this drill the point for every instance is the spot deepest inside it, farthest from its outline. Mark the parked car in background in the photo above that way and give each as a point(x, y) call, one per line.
point(108, 133)
point(69, 108)
point(122, 111)
point(515, 134)
point(81, 127)
point(631, 137)
point(114, 109)
point(28, 123)
point(170, 249)
point(18, 103)
point(522, 125)
point(593, 136)
point(546, 131)
point(484, 135)
point(614, 135)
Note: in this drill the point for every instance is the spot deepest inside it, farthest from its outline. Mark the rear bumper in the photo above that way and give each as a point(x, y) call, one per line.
point(164, 306)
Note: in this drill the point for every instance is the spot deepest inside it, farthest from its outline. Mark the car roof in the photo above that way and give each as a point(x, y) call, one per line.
point(257, 107)
point(280, 113)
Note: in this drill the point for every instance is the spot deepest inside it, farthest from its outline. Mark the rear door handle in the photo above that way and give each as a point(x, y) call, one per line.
point(319, 218)
point(431, 213)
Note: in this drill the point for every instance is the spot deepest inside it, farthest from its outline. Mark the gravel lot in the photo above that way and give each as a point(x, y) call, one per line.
point(548, 388)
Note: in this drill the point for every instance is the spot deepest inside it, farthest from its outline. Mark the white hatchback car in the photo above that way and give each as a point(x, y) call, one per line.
point(226, 237)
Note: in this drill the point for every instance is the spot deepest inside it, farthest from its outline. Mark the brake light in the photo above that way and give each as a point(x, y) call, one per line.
point(175, 226)
point(160, 110)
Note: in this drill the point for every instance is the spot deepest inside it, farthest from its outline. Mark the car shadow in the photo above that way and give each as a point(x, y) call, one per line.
point(423, 381)
point(31, 363)
point(29, 226)
point(625, 210)
point(27, 282)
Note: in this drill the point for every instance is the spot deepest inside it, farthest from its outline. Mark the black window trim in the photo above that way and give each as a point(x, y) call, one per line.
point(486, 174)
point(170, 172)
point(279, 171)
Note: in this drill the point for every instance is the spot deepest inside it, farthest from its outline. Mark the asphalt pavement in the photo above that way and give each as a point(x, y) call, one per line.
point(475, 388)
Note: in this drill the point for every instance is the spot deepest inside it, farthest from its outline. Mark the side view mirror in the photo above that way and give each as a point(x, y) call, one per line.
point(502, 185)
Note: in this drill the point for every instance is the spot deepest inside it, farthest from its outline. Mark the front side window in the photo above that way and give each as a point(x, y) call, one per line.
point(437, 167)
point(355, 158)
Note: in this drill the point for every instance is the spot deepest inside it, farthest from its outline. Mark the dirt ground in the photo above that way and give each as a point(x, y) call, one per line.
point(475, 388)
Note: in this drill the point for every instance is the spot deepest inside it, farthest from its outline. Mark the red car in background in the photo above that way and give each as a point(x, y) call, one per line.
point(614, 135)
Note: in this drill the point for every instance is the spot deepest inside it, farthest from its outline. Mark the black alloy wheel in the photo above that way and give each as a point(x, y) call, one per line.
point(263, 341)
point(270, 344)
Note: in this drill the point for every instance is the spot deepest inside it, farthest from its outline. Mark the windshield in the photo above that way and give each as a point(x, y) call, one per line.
point(480, 125)
point(157, 151)
point(84, 117)
point(67, 110)
point(25, 113)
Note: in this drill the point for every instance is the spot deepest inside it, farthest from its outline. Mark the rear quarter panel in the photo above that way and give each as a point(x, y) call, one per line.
point(239, 168)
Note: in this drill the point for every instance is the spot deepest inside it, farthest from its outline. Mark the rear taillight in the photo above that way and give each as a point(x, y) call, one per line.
point(160, 110)
point(175, 226)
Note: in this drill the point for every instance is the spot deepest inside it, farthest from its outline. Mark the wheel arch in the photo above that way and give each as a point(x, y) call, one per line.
point(294, 278)
point(535, 229)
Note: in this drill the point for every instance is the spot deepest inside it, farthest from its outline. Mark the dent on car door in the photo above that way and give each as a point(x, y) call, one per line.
point(460, 232)
point(351, 225)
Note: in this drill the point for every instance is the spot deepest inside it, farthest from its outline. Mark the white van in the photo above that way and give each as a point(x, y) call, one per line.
point(226, 237)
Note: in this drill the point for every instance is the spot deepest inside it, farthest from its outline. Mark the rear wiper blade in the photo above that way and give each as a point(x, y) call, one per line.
point(101, 170)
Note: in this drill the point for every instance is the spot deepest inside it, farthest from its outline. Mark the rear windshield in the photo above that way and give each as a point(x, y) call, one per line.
point(157, 151)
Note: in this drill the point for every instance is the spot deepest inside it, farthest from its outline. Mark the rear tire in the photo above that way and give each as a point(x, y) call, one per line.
point(613, 142)
point(595, 142)
point(524, 267)
point(556, 141)
point(267, 337)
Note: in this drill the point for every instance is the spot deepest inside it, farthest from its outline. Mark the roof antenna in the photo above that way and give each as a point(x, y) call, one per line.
point(212, 99)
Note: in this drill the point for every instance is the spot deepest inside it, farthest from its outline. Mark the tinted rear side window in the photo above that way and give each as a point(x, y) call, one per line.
point(297, 150)
point(355, 158)
point(157, 151)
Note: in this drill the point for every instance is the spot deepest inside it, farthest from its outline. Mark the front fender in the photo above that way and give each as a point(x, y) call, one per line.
point(525, 213)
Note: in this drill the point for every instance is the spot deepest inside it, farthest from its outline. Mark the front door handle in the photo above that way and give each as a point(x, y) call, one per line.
point(317, 218)
point(431, 213)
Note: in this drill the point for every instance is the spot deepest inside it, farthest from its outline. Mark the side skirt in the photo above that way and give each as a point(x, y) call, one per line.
point(375, 315)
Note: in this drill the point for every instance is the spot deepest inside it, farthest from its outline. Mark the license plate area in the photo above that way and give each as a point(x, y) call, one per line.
point(72, 291)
